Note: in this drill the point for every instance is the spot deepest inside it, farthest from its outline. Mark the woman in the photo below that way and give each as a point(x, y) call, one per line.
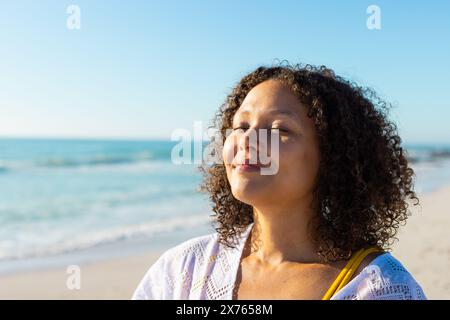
point(320, 227)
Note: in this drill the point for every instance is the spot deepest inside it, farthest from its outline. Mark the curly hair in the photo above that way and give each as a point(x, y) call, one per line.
point(364, 181)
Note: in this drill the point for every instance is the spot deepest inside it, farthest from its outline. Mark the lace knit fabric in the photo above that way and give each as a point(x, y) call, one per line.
point(203, 269)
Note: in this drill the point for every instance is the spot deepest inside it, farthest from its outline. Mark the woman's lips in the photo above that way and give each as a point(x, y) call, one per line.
point(246, 168)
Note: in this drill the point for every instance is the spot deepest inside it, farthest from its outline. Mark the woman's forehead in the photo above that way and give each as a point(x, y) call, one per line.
point(271, 97)
point(270, 91)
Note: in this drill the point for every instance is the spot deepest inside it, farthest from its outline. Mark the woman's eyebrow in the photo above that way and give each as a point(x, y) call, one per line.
point(287, 113)
point(241, 113)
point(291, 116)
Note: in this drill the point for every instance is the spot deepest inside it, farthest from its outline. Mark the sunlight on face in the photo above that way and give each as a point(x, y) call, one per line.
point(272, 106)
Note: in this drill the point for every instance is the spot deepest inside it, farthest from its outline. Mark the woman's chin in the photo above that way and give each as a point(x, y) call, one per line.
point(249, 194)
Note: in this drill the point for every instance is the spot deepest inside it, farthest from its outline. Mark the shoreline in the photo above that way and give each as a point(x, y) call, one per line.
point(114, 271)
point(109, 271)
point(104, 252)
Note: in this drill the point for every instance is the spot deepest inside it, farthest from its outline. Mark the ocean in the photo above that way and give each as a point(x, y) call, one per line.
point(64, 195)
point(59, 196)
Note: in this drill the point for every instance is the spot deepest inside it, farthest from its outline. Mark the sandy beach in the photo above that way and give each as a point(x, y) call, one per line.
point(112, 279)
point(424, 244)
point(423, 247)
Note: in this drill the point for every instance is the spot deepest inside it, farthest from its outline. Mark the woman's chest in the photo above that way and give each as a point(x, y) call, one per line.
point(303, 283)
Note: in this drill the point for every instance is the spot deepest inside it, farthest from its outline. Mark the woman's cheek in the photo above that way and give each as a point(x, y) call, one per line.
point(293, 161)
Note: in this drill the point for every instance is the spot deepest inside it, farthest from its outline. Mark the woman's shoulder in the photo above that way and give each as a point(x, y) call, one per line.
point(172, 263)
point(384, 278)
point(194, 248)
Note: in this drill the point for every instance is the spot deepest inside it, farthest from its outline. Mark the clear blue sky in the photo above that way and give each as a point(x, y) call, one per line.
point(140, 69)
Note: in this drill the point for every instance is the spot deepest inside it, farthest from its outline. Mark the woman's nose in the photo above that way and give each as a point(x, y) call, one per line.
point(256, 143)
point(249, 140)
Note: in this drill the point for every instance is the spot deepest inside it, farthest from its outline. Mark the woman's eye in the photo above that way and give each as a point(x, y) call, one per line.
point(240, 129)
point(243, 129)
point(280, 129)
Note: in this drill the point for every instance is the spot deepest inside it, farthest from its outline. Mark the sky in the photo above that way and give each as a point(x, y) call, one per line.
point(141, 69)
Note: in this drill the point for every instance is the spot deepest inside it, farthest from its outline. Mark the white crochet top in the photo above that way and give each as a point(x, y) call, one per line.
point(201, 268)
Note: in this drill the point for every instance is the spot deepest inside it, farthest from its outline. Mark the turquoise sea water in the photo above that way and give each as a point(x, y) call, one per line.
point(64, 195)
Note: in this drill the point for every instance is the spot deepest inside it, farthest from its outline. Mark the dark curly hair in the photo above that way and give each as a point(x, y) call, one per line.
point(364, 180)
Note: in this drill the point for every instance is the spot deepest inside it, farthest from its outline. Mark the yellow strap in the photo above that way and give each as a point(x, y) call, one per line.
point(347, 272)
point(341, 275)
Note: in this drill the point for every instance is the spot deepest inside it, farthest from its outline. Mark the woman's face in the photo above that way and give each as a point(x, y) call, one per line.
point(271, 105)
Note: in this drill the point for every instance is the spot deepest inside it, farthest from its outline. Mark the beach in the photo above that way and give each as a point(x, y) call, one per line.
point(424, 244)
point(112, 279)
point(423, 248)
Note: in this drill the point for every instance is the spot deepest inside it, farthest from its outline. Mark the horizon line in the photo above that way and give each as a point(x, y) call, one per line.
point(159, 138)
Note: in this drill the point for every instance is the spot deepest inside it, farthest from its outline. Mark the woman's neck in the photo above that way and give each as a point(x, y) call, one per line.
point(281, 234)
